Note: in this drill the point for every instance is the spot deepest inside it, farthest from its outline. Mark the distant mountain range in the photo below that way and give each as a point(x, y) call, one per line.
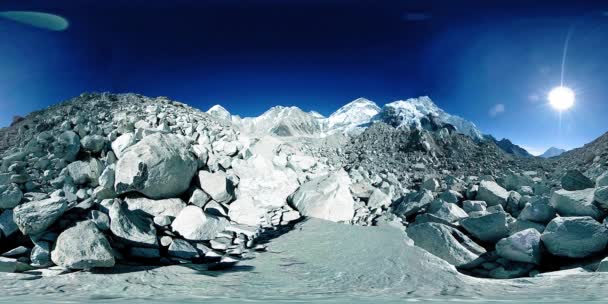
point(552, 152)
point(356, 116)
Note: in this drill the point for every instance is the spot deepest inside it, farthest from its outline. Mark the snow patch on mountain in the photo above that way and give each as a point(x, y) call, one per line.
point(220, 112)
point(282, 121)
point(355, 114)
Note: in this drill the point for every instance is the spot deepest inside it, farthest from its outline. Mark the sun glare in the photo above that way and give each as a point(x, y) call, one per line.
point(561, 98)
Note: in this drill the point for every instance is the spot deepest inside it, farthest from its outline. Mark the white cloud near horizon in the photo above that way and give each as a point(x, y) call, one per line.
point(536, 151)
point(497, 109)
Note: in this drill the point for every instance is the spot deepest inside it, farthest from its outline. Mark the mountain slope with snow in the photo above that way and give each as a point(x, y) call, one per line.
point(356, 114)
point(552, 152)
point(414, 113)
point(220, 112)
point(282, 121)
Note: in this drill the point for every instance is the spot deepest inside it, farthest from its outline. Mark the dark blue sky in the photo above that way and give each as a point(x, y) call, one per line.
point(468, 56)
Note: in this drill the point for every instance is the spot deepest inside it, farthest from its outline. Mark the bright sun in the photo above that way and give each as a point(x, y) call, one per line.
point(561, 98)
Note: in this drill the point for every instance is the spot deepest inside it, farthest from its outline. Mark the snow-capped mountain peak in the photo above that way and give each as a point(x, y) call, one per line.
point(552, 152)
point(219, 112)
point(414, 112)
point(355, 113)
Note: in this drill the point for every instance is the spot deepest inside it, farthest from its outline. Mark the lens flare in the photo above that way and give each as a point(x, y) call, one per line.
point(561, 98)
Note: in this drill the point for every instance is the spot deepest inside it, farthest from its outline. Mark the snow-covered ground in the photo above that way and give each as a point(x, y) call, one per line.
point(317, 261)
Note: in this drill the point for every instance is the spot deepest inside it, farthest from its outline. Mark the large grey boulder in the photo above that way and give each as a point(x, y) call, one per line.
point(447, 211)
point(7, 223)
point(159, 166)
point(10, 196)
point(93, 143)
point(194, 224)
point(513, 182)
point(83, 172)
point(41, 254)
point(182, 249)
point(575, 180)
point(414, 203)
point(576, 203)
point(133, 227)
point(163, 207)
point(446, 243)
point(326, 197)
point(217, 185)
point(492, 193)
point(601, 196)
point(120, 144)
point(82, 247)
point(34, 217)
point(523, 246)
point(268, 185)
point(538, 210)
point(68, 146)
point(488, 227)
point(575, 237)
point(246, 211)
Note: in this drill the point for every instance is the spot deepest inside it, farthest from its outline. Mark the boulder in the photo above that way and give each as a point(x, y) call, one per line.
point(326, 197)
point(491, 193)
point(378, 199)
point(217, 185)
point(266, 184)
point(602, 180)
point(601, 196)
point(10, 196)
point(488, 227)
point(446, 243)
point(246, 211)
point(451, 196)
point(159, 166)
point(82, 247)
point(575, 237)
point(446, 211)
point(194, 224)
point(83, 172)
point(182, 249)
point(36, 216)
point(523, 246)
point(132, 227)
point(431, 184)
point(41, 254)
point(101, 220)
point(198, 198)
point(93, 143)
point(68, 146)
point(513, 182)
point(162, 207)
point(575, 180)
point(576, 203)
point(120, 144)
point(472, 206)
point(413, 203)
point(7, 223)
point(362, 190)
point(538, 210)
point(520, 225)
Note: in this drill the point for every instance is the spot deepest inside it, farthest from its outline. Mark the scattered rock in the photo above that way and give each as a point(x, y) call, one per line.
point(133, 227)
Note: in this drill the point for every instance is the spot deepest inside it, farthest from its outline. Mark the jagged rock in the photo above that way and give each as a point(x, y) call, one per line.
point(431, 184)
point(21, 250)
point(447, 211)
point(120, 144)
point(575, 180)
point(266, 184)
point(451, 196)
point(513, 182)
point(361, 190)
point(93, 143)
point(34, 217)
point(326, 197)
point(523, 246)
point(489, 227)
point(520, 225)
point(101, 220)
point(41, 254)
point(602, 180)
point(539, 211)
point(215, 208)
point(182, 249)
point(491, 193)
point(413, 203)
point(447, 243)
point(10, 196)
point(7, 223)
point(199, 198)
point(575, 237)
point(378, 200)
point(162, 207)
point(83, 172)
point(133, 227)
point(601, 196)
point(471, 206)
point(68, 146)
point(246, 211)
point(194, 224)
point(217, 185)
point(82, 247)
point(159, 166)
point(576, 203)
point(603, 266)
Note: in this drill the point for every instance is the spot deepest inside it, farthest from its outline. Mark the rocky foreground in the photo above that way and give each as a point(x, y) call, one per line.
point(104, 180)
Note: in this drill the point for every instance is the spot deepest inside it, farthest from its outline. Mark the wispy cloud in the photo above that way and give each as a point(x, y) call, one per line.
point(497, 109)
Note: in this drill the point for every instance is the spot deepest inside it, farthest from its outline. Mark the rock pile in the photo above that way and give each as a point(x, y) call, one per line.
point(105, 179)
